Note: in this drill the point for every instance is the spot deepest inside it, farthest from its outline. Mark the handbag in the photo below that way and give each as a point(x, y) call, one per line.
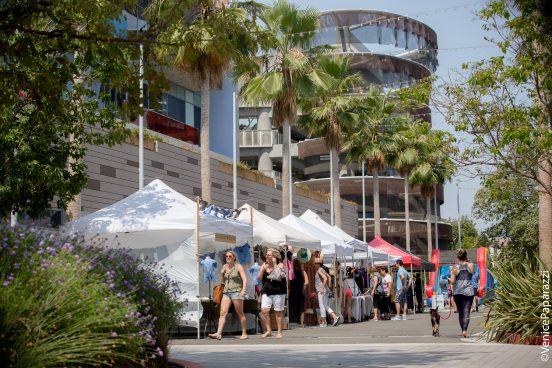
point(218, 290)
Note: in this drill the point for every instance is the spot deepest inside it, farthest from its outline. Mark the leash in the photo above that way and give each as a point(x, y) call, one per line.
point(443, 318)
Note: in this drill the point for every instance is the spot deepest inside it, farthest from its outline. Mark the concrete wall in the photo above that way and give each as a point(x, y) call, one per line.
point(113, 174)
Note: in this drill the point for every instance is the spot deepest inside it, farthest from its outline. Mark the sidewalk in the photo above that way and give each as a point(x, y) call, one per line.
point(383, 343)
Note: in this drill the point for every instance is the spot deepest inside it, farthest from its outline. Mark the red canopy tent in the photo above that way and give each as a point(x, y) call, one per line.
point(407, 258)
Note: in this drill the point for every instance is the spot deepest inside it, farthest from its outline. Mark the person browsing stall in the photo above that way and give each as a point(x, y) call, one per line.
point(235, 283)
point(273, 292)
point(321, 282)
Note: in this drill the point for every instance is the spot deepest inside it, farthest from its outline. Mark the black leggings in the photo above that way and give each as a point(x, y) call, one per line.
point(463, 306)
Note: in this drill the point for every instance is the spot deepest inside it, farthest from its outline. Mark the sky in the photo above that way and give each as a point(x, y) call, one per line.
point(460, 39)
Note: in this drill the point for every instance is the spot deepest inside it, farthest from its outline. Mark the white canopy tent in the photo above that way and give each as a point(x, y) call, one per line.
point(315, 220)
point(272, 233)
point(330, 244)
point(161, 223)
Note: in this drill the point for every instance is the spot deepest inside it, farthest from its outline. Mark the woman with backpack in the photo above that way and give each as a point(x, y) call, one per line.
point(377, 292)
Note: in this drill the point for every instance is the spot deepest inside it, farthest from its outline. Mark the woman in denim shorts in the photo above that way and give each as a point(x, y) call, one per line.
point(235, 283)
point(273, 293)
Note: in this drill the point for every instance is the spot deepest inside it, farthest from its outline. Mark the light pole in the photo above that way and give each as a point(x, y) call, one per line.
point(363, 206)
point(459, 217)
point(235, 151)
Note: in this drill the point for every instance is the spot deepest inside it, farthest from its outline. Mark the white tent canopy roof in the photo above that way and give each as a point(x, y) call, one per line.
point(313, 219)
point(155, 215)
point(330, 243)
point(269, 232)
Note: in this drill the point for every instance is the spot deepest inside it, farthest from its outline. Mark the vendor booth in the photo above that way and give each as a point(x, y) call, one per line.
point(159, 223)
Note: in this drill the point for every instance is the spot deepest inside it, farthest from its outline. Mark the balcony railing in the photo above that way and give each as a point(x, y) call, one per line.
point(259, 138)
point(171, 127)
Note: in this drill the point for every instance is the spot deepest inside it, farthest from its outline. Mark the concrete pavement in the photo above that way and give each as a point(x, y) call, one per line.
point(367, 344)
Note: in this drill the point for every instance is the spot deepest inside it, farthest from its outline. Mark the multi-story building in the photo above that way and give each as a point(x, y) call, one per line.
point(388, 50)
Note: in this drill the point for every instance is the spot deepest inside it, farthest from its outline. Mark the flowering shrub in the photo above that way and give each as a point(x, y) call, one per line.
point(65, 304)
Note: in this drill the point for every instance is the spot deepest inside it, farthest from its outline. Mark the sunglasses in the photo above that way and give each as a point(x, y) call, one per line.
point(229, 256)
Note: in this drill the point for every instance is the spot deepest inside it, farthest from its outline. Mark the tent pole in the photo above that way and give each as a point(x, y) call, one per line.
point(197, 263)
point(413, 292)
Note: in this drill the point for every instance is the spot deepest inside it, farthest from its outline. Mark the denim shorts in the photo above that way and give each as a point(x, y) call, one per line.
point(236, 295)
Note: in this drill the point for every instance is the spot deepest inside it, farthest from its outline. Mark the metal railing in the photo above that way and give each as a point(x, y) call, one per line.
point(259, 138)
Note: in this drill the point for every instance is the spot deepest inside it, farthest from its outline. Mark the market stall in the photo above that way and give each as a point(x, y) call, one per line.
point(159, 223)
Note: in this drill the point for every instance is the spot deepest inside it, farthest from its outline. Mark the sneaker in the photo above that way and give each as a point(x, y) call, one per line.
point(396, 318)
point(323, 325)
point(403, 318)
point(336, 321)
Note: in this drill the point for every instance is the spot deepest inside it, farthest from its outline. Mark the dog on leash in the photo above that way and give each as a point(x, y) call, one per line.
point(435, 321)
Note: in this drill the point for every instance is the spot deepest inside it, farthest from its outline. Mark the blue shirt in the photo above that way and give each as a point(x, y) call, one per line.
point(399, 284)
point(244, 253)
point(209, 266)
point(254, 270)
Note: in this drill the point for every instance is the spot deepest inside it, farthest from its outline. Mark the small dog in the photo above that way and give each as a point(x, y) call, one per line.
point(435, 321)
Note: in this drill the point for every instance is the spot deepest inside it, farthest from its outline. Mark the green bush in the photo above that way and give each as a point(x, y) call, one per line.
point(515, 310)
point(64, 304)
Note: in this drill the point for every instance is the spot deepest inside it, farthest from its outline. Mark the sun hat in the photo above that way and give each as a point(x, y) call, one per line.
point(304, 255)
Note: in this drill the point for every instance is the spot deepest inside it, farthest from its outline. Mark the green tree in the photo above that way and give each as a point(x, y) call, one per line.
point(55, 55)
point(331, 112)
point(279, 76)
point(410, 143)
point(203, 38)
point(504, 104)
point(509, 203)
point(470, 237)
point(373, 139)
point(436, 168)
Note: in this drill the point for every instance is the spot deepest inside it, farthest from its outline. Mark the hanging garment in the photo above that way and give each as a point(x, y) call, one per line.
point(209, 266)
point(244, 253)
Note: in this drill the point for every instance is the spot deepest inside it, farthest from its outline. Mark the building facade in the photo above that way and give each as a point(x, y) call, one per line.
point(388, 50)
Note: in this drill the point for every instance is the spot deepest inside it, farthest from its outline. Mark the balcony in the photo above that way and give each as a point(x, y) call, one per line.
point(171, 127)
point(259, 138)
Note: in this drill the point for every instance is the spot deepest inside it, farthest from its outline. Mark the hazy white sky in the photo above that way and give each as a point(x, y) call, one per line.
point(460, 39)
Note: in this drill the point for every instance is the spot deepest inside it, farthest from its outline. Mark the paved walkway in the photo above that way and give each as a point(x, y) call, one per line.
point(367, 344)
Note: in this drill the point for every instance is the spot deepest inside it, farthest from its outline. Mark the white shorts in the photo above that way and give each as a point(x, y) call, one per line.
point(278, 301)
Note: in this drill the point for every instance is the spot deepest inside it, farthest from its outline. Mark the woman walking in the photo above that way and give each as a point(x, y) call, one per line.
point(462, 289)
point(273, 292)
point(235, 283)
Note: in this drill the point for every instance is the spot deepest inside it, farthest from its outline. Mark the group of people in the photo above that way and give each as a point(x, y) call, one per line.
point(273, 278)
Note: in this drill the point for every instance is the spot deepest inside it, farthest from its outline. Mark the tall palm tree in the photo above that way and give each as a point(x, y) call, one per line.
point(332, 111)
point(280, 76)
point(436, 168)
point(406, 157)
point(203, 37)
point(373, 140)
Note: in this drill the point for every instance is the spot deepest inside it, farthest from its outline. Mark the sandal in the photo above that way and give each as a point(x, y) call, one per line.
point(244, 337)
point(266, 334)
point(215, 336)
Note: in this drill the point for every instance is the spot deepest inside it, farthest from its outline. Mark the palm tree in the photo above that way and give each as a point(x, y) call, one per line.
point(374, 139)
point(406, 157)
point(280, 76)
point(203, 39)
point(436, 168)
point(331, 111)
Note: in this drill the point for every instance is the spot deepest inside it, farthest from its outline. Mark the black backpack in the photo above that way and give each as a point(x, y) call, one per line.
point(379, 288)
